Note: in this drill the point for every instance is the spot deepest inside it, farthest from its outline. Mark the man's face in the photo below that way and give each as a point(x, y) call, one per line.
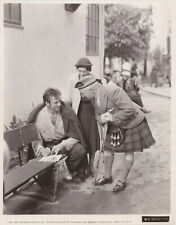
point(54, 104)
point(82, 72)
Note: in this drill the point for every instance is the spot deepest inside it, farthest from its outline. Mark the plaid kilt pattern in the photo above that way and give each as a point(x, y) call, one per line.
point(135, 139)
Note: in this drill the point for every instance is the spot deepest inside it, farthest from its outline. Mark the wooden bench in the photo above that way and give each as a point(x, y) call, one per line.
point(18, 139)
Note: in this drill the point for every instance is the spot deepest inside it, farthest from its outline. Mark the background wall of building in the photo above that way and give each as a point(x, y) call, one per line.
point(42, 55)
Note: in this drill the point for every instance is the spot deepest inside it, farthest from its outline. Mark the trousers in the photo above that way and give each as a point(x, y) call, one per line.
point(75, 160)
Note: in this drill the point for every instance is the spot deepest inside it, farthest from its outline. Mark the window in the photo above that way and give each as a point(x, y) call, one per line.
point(92, 30)
point(12, 13)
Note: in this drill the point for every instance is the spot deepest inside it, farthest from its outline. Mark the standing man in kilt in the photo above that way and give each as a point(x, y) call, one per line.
point(127, 132)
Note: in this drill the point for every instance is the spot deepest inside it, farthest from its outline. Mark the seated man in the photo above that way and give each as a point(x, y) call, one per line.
point(59, 132)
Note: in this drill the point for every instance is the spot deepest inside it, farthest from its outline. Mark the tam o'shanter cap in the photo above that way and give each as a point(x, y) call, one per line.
point(85, 82)
point(126, 69)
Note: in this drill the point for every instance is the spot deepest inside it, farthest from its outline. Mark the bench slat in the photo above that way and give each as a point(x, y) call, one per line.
point(21, 175)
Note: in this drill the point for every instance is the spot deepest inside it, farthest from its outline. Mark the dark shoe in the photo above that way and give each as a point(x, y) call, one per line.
point(82, 176)
point(103, 181)
point(120, 186)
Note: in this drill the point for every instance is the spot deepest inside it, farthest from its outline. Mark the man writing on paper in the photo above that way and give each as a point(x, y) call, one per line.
point(60, 132)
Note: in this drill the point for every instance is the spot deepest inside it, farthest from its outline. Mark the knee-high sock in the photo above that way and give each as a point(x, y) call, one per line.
point(127, 165)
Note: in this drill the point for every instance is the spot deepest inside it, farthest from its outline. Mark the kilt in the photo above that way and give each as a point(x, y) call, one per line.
point(135, 139)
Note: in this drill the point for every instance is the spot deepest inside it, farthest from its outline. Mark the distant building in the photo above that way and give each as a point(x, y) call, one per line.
point(42, 42)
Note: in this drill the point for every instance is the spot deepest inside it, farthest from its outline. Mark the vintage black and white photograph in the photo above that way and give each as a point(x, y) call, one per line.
point(86, 122)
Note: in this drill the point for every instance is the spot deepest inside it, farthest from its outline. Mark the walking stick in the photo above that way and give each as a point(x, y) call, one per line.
point(103, 137)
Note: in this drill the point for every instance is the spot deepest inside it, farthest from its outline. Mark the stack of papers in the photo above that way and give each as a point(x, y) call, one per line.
point(51, 158)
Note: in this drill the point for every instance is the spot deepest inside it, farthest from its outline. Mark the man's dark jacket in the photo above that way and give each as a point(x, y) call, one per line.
point(71, 123)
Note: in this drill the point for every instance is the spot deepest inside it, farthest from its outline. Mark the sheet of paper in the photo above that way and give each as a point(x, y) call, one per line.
point(51, 158)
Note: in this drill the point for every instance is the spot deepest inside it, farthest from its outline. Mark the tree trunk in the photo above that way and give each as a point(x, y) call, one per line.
point(145, 67)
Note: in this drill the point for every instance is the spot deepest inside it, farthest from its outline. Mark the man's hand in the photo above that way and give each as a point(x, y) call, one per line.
point(57, 148)
point(45, 151)
point(106, 117)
